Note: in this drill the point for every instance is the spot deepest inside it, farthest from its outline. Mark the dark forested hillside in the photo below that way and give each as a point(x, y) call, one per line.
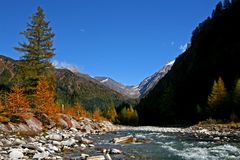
point(181, 97)
point(75, 87)
point(71, 87)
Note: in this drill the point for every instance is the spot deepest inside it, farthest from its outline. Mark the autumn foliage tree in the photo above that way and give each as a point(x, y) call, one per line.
point(17, 103)
point(128, 116)
point(44, 98)
point(97, 115)
point(81, 111)
point(110, 113)
point(236, 102)
point(217, 98)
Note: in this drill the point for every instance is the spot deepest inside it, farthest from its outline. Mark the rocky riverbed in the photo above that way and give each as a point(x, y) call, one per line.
point(41, 138)
point(94, 140)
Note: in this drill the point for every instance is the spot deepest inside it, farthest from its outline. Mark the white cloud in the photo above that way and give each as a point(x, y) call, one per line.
point(82, 30)
point(183, 47)
point(65, 65)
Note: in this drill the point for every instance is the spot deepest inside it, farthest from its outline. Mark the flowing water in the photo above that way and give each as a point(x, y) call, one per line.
point(165, 145)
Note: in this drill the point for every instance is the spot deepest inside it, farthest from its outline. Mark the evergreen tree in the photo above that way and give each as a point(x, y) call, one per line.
point(236, 93)
point(218, 10)
point(128, 116)
point(38, 51)
point(236, 102)
point(110, 113)
point(226, 4)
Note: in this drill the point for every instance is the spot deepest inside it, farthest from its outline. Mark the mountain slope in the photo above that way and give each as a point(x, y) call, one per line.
point(181, 96)
point(131, 92)
point(148, 83)
point(71, 87)
point(136, 91)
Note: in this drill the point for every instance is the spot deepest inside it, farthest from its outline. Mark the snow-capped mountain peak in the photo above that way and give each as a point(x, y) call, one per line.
point(104, 81)
point(138, 90)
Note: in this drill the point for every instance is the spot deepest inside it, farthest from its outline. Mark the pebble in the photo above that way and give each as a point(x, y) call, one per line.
point(115, 151)
point(96, 158)
point(40, 156)
point(108, 157)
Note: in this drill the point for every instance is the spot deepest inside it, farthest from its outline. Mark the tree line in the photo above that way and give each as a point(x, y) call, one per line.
point(192, 90)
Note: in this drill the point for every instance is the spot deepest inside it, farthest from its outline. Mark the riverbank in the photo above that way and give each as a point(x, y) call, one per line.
point(38, 137)
point(41, 138)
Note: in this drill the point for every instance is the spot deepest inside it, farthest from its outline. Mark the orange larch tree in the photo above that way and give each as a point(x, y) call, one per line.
point(44, 98)
point(17, 102)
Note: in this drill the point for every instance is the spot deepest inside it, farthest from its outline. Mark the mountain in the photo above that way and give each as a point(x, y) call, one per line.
point(148, 83)
point(77, 87)
point(8, 68)
point(137, 91)
point(181, 96)
point(72, 87)
point(129, 91)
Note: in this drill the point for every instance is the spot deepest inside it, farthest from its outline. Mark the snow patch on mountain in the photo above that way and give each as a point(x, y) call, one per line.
point(138, 90)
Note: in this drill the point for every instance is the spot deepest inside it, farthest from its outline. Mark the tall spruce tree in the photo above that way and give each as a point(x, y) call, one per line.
point(38, 51)
point(236, 93)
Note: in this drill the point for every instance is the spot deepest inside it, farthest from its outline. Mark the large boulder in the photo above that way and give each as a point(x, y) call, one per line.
point(64, 121)
point(55, 136)
point(15, 155)
point(123, 140)
point(46, 121)
point(33, 123)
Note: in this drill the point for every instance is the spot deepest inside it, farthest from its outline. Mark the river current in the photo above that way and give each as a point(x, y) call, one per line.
point(165, 145)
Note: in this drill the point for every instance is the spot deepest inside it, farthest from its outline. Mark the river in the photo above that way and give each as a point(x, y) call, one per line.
point(165, 145)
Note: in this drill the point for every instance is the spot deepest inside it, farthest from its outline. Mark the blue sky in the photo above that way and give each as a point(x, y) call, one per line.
point(127, 40)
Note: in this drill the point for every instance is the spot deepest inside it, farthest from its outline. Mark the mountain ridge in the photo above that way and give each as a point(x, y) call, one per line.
point(71, 87)
point(140, 90)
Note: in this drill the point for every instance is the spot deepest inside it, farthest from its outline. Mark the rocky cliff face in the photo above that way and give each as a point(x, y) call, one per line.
point(136, 91)
point(148, 83)
point(129, 91)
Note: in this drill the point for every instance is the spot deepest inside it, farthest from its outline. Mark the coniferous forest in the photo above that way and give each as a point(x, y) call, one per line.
point(204, 80)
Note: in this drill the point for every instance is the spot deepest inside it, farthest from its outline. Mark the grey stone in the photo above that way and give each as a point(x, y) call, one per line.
point(115, 151)
point(69, 142)
point(40, 156)
point(56, 137)
point(15, 154)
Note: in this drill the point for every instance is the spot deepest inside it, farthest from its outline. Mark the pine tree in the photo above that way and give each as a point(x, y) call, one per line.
point(38, 51)
point(218, 10)
point(226, 4)
point(17, 102)
point(236, 93)
point(110, 113)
